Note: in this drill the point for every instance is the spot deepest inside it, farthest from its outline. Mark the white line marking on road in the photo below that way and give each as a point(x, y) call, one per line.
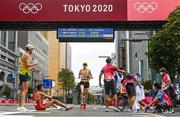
point(9, 113)
point(32, 111)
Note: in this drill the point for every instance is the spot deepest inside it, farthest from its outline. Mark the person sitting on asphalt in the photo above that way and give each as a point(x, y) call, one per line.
point(161, 99)
point(130, 83)
point(39, 96)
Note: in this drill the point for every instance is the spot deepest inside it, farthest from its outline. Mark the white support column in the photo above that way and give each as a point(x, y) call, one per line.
point(116, 48)
point(127, 53)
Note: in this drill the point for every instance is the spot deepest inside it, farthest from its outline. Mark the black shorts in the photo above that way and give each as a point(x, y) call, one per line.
point(110, 86)
point(131, 89)
point(24, 78)
point(85, 84)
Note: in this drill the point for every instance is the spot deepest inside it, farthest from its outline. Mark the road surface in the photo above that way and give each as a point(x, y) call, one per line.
point(92, 111)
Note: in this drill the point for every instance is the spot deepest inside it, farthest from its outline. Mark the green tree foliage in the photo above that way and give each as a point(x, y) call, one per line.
point(164, 46)
point(90, 98)
point(77, 89)
point(147, 84)
point(68, 80)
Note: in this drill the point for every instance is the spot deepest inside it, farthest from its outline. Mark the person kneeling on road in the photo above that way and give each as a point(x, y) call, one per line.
point(39, 96)
point(161, 100)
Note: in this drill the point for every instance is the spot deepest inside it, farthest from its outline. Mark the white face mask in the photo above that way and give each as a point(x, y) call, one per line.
point(161, 73)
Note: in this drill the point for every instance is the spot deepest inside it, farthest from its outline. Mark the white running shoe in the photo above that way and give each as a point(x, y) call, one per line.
point(152, 108)
point(172, 111)
point(107, 110)
point(18, 108)
point(69, 107)
point(22, 109)
point(59, 107)
point(116, 109)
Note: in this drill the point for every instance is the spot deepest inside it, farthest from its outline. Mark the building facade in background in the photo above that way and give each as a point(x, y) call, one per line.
point(132, 54)
point(8, 60)
point(40, 53)
point(59, 58)
point(120, 49)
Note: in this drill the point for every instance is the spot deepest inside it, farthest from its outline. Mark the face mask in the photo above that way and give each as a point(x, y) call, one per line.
point(161, 73)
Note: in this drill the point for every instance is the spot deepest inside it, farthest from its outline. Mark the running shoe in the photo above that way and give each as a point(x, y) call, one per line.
point(152, 108)
point(116, 109)
point(172, 111)
point(59, 107)
point(107, 110)
point(134, 110)
point(69, 107)
point(22, 109)
point(82, 107)
point(144, 108)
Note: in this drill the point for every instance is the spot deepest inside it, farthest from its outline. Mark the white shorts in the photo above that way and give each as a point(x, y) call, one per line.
point(176, 91)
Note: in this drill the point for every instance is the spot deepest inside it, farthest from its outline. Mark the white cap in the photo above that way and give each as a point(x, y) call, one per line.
point(29, 46)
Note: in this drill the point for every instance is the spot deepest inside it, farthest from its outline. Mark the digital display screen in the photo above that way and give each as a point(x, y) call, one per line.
point(85, 34)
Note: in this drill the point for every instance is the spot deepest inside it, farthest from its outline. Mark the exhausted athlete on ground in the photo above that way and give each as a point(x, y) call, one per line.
point(109, 82)
point(85, 75)
point(39, 96)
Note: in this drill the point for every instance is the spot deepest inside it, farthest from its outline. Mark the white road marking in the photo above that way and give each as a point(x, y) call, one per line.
point(17, 112)
point(8, 114)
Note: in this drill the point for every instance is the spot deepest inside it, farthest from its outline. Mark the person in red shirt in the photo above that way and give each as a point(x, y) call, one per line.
point(39, 96)
point(109, 83)
point(166, 81)
point(130, 83)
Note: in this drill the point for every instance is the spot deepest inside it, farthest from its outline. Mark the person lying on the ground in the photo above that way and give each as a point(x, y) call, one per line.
point(161, 99)
point(39, 96)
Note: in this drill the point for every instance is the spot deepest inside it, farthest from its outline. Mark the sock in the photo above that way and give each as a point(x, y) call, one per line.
point(83, 100)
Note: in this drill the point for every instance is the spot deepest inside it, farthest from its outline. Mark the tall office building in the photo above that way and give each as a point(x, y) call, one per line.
point(8, 60)
point(132, 54)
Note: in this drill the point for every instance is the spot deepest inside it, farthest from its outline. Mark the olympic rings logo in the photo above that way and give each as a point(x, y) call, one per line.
point(30, 8)
point(145, 7)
